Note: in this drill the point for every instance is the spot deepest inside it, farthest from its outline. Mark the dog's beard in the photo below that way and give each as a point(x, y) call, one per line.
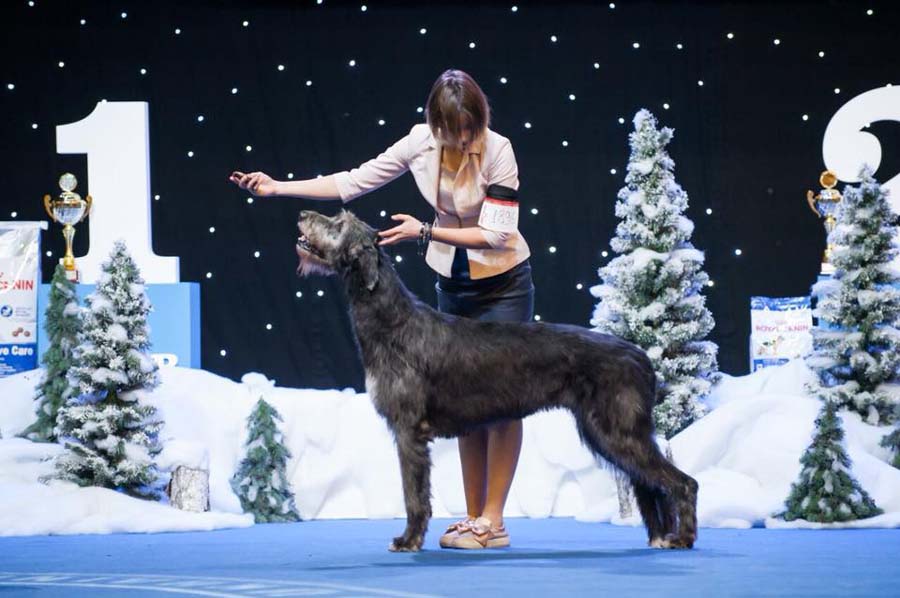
point(310, 263)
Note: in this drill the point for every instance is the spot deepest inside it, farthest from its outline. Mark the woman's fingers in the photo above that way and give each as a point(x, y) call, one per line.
point(390, 240)
point(251, 180)
point(390, 232)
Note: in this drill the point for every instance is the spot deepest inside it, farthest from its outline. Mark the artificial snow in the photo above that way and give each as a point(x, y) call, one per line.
point(745, 455)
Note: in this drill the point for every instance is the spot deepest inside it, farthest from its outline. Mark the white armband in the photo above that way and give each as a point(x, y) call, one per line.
point(500, 215)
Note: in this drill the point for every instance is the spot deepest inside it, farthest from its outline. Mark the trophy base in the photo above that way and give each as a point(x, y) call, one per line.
point(71, 275)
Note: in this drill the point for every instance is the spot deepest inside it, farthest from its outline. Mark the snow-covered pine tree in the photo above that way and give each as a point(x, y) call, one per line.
point(261, 481)
point(826, 491)
point(856, 357)
point(650, 293)
point(110, 432)
point(62, 324)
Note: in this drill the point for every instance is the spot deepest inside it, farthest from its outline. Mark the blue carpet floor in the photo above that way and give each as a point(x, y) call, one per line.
point(549, 557)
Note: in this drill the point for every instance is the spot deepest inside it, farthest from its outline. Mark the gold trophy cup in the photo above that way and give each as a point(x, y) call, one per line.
point(824, 205)
point(68, 209)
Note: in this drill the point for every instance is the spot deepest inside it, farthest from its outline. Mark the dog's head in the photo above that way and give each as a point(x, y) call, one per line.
point(341, 244)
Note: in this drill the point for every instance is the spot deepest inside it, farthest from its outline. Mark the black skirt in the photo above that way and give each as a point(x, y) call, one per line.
point(506, 297)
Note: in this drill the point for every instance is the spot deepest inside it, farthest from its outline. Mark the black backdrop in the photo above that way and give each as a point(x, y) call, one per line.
point(741, 146)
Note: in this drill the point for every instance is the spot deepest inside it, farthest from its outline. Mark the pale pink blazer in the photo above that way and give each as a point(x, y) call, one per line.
point(489, 162)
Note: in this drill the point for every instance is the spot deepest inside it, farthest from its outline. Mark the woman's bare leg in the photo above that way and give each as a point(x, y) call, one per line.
point(473, 451)
point(504, 441)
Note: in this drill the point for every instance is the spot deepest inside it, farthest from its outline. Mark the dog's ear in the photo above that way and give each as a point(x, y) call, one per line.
point(367, 261)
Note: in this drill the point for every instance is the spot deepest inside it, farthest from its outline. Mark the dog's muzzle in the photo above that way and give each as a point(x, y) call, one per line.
point(303, 243)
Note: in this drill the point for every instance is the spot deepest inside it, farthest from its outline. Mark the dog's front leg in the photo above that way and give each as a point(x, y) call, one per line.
point(415, 469)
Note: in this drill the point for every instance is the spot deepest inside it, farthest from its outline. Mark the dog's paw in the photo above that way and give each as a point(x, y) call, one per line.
point(672, 541)
point(401, 544)
point(657, 543)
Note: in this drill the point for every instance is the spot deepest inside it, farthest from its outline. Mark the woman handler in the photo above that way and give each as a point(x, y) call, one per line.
point(475, 247)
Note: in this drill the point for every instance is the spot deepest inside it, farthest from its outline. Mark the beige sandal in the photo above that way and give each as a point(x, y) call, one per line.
point(482, 534)
point(454, 530)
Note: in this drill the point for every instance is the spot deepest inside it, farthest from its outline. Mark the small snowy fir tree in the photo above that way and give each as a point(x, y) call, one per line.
point(826, 492)
point(650, 293)
point(110, 433)
point(62, 324)
point(855, 355)
point(261, 482)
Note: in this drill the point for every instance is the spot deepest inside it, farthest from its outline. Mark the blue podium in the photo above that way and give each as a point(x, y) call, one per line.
point(174, 322)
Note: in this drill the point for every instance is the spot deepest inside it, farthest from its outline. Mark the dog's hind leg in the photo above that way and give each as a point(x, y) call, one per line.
point(676, 492)
point(415, 469)
point(649, 506)
point(627, 443)
point(669, 516)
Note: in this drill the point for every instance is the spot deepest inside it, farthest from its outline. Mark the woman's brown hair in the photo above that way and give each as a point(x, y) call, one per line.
point(456, 104)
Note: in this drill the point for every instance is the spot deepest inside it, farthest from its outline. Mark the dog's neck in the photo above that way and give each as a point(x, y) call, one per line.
point(380, 313)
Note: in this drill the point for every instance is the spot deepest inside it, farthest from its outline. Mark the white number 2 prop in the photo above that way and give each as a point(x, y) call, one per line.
point(116, 138)
point(846, 147)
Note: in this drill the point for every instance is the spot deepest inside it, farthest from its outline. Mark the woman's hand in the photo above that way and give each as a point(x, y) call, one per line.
point(407, 230)
point(258, 183)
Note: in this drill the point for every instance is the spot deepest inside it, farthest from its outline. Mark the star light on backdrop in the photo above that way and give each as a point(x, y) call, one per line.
point(565, 124)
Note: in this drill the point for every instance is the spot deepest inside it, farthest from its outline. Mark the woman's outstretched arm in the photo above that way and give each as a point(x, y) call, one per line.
point(346, 185)
point(323, 188)
point(262, 185)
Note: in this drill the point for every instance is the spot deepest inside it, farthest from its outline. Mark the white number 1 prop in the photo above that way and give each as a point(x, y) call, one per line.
point(116, 138)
